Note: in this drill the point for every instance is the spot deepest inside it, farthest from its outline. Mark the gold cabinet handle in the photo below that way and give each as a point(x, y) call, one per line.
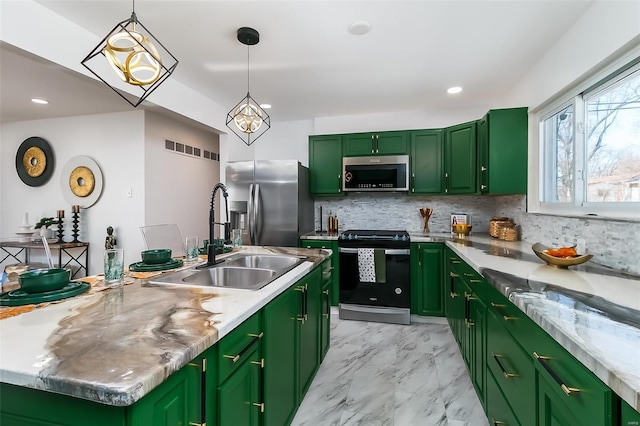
point(259, 336)
point(504, 372)
point(202, 367)
point(197, 424)
point(308, 247)
point(326, 292)
point(453, 295)
point(453, 275)
point(469, 275)
point(495, 305)
point(543, 360)
point(475, 281)
point(483, 186)
point(260, 405)
point(455, 261)
point(260, 363)
point(233, 358)
point(497, 422)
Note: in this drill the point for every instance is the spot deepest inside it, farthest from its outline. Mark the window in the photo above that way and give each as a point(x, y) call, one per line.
point(590, 149)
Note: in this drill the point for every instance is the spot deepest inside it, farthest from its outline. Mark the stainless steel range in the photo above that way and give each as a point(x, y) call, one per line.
point(375, 276)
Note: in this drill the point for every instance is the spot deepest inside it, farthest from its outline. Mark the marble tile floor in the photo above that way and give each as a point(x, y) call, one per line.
point(379, 374)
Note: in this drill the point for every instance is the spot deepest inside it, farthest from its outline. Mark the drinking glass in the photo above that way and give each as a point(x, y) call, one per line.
point(191, 248)
point(236, 237)
point(114, 267)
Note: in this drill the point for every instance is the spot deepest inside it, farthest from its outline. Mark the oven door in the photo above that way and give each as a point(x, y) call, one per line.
point(391, 291)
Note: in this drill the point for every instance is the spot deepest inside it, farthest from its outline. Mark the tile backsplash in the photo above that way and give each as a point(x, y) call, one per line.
point(613, 243)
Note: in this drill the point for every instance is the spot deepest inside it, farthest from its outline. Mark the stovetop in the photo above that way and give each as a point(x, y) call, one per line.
point(361, 234)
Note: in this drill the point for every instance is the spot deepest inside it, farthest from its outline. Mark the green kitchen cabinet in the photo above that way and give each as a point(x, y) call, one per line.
point(427, 266)
point(281, 317)
point(498, 410)
point(460, 159)
point(628, 416)
point(335, 263)
point(454, 305)
point(427, 149)
point(377, 143)
point(239, 401)
point(291, 348)
point(309, 330)
point(552, 410)
point(502, 151)
point(325, 315)
point(325, 165)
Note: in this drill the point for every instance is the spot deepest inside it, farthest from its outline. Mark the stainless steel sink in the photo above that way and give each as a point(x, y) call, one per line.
point(247, 272)
point(264, 261)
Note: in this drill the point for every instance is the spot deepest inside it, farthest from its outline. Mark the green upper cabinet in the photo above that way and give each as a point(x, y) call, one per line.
point(380, 143)
point(502, 151)
point(426, 281)
point(325, 165)
point(460, 159)
point(426, 161)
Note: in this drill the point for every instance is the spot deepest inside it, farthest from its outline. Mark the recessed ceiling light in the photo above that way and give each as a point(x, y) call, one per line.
point(359, 27)
point(456, 89)
point(39, 101)
point(265, 106)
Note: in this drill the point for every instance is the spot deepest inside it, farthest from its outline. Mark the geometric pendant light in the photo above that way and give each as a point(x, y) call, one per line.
point(247, 119)
point(131, 56)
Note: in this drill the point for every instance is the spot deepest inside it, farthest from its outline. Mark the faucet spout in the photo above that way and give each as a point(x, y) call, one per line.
point(211, 251)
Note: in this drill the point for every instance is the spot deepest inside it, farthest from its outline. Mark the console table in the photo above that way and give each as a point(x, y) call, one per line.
point(73, 253)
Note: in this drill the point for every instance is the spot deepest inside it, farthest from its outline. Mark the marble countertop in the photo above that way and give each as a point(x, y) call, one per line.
point(115, 346)
point(591, 310)
point(319, 236)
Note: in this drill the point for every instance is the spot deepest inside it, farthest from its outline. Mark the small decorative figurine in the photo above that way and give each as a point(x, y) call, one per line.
point(110, 242)
point(60, 226)
point(75, 211)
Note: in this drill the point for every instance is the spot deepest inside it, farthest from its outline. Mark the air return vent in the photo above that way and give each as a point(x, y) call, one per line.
point(190, 151)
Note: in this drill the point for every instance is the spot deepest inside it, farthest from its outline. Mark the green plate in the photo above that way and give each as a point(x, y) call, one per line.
point(145, 267)
point(19, 297)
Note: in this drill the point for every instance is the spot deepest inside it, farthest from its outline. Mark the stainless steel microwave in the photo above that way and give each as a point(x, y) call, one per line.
point(380, 173)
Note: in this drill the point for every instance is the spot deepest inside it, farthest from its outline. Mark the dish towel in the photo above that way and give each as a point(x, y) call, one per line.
point(366, 265)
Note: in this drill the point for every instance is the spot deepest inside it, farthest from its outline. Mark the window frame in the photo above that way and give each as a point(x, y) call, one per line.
point(577, 94)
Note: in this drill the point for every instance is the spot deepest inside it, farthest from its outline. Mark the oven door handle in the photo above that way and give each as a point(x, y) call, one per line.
point(386, 251)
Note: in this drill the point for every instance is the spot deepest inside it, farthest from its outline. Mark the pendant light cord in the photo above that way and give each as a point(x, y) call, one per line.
point(248, 91)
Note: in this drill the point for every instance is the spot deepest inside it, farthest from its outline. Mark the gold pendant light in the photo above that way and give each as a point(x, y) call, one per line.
point(133, 58)
point(247, 119)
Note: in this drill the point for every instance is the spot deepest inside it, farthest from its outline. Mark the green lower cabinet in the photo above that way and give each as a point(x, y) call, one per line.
point(552, 410)
point(427, 266)
point(280, 352)
point(476, 325)
point(628, 416)
point(335, 263)
point(239, 401)
point(309, 331)
point(512, 370)
point(20, 406)
point(325, 316)
point(498, 410)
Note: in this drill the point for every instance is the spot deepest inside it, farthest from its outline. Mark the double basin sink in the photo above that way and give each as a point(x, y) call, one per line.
point(243, 271)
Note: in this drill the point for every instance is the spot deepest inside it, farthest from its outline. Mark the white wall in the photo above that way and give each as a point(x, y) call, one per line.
point(116, 142)
point(178, 186)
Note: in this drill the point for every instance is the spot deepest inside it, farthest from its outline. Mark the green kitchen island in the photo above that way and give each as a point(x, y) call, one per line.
point(148, 354)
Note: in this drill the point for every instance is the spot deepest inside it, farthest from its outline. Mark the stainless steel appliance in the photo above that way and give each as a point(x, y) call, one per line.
point(269, 201)
point(375, 276)
point(380, 173)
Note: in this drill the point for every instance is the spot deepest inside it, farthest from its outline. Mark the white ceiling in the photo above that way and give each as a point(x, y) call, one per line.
point(308, 65)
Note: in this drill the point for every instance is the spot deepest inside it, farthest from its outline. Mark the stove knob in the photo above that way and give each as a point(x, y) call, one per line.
point(404, 238)
point(396, 237)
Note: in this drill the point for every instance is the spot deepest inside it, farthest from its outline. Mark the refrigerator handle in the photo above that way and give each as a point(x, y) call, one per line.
point(256, 211)
point(250, 214)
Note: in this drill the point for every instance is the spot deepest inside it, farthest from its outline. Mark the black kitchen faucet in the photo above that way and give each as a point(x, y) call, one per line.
point(211, 251)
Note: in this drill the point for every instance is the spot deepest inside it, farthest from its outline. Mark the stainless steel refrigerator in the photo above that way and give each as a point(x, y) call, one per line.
point(269, 201)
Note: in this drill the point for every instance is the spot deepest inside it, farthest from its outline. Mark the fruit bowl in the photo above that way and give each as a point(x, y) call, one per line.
point(559, 262)
point(156, 256)
point(41, 280)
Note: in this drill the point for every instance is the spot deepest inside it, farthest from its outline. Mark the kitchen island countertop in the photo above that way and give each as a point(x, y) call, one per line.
point(115, 346)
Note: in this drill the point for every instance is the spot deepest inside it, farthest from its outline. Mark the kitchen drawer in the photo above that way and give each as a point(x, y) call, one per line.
point(327, 272)
point(583, 393)
point(512, 369)
point(474, 280)
point(498, 410)
point(236, 346)
point(319, 244)
point(521, 327)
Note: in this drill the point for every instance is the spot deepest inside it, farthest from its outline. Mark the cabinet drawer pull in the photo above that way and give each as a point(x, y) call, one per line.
point(233, 358)
point(259, 336)
point(506, 318)
point(543, 361)
point(326, 292)
point(469, 275)
point(301, 319)
point(330, 268)
point(504, 372)
point(453, 295)
point(455, 261)
point(260, 363)
point(259, 404)
point(497, 422)
point(453, 275)
point(202, 367)
point(483, 186)
point(475, 281)
point(495, 305)
point(197, 424)
point(308, 247)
